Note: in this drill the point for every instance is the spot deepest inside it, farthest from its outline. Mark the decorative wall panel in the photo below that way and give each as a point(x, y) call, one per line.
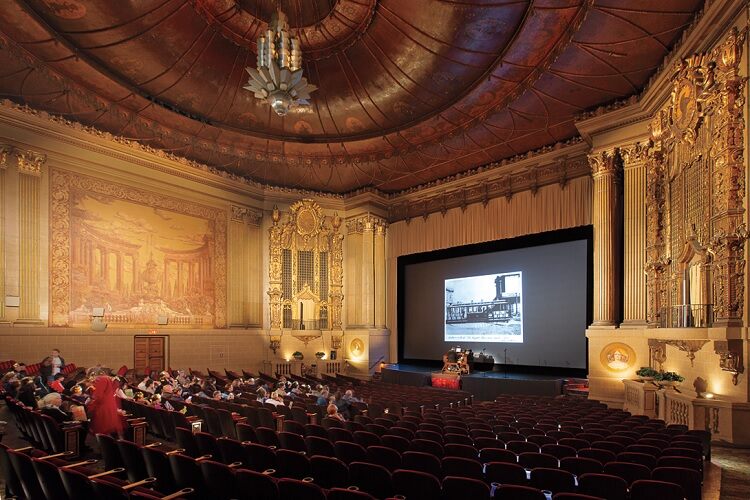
point(696, 235)
point(138, 254)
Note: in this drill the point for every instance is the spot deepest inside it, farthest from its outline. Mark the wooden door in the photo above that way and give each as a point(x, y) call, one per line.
point(150, 354)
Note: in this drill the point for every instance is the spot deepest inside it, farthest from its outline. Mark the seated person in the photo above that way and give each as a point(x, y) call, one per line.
point(332, 412)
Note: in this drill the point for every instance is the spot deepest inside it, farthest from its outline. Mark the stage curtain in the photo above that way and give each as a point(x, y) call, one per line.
point(552, 207)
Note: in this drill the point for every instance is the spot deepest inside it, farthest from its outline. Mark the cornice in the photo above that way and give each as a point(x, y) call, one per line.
point(557, 166)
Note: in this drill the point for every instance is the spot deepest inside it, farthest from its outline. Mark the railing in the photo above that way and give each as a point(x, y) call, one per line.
point(310, 324)
point(687, 316)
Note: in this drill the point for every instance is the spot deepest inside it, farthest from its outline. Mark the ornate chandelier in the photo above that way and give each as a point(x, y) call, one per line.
point(278, 78)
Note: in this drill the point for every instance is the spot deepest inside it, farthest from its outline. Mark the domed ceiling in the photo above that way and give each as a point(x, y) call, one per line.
point(410, 91)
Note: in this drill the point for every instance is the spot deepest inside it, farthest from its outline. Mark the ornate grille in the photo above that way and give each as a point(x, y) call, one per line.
point(323, 276)
point(305, 269)
point(286, 274)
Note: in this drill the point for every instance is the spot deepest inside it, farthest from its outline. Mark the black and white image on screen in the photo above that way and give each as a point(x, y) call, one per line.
point(484, 308)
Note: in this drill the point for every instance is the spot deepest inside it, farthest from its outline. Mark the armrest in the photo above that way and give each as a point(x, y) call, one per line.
point(204, 457)
point(56, 455)
point(107, 472)
point(152, 445)
point(136, 420)
point(70, 424)
point(238, 419)
point(136, 484)
point(175, 452)
point(269, 472)
point(234, 465)
point(25, 448)
point(191, 418)
point(178, 494)
point(78, 464)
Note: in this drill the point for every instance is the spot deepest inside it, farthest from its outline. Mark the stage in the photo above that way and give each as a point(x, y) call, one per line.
point(485, 386)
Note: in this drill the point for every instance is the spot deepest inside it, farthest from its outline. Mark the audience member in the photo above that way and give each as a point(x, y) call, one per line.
point(58, 362)
point(105, 408)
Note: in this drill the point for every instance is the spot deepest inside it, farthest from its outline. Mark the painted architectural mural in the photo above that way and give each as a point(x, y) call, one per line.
point(140, 256)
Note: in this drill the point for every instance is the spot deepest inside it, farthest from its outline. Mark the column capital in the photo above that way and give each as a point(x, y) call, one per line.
point(5, 151)
point(30, 162)
point(366, 223)
point(246, 215)
point(634, 155)
point(605, 162)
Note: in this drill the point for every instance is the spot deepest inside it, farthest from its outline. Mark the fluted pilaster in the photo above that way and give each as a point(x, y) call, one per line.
point(244, 253)
point(4, 152)
point(607, 217)
point(634, 252)
point(29, 182)
point(380, 285)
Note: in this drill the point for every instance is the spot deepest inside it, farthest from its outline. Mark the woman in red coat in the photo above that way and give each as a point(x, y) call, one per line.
point(104, 408)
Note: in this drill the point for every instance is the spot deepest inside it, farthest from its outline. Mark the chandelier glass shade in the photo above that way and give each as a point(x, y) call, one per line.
point(278, 78)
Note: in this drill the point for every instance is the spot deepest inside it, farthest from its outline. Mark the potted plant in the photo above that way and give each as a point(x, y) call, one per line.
point(646, 373)
point(668, 379)
point(298, 355)
point(320, 355)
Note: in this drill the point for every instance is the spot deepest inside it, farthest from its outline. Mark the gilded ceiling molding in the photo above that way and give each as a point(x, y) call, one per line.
point(30, 162)
point(200, 169)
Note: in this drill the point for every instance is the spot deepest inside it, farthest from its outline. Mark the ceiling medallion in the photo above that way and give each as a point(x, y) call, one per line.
point(278, 78)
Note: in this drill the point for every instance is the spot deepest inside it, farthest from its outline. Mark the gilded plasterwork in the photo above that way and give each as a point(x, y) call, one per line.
point(696, 191)
point(137, 254)
point(305, 269)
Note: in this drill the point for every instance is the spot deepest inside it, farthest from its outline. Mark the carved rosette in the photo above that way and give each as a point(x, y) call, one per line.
point(63, 182)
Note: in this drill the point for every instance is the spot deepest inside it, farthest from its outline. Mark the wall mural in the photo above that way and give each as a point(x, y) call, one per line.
point(139, 255)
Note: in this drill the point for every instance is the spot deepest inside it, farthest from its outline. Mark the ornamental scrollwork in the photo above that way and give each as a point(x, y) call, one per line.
point(695, 186)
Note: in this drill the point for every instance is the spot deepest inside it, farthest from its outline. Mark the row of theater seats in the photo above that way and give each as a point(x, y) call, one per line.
point(44, 431)
point(31, 474)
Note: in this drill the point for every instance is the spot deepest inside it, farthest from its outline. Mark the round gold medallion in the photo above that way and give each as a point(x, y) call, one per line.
point(307, 222)
point(617, 356)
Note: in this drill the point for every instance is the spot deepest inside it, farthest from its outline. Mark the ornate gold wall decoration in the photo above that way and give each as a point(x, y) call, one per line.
point(30, 162)
point(696, 192)
point(617, 357)
point(305, 270)
point(730, 357)
point(151, 286)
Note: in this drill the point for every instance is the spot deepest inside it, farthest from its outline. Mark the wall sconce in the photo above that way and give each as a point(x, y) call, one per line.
point(730, 357)
point(274, 342)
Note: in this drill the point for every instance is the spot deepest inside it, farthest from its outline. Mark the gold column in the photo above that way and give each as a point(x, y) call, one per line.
point(255, 270)
point(380, 265)
point(29, 180)
point(634, 166)
point(4, 152)
point(607, 217)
